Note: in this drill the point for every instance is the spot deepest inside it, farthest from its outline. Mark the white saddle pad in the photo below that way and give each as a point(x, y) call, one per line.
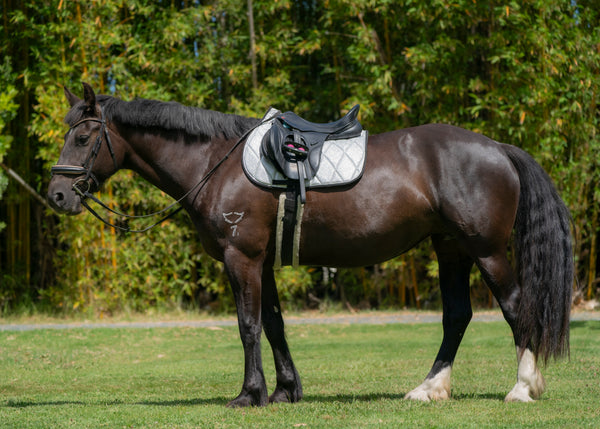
point(342, 161)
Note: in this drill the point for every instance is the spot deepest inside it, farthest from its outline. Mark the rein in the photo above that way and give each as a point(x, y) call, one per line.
point(86, 169)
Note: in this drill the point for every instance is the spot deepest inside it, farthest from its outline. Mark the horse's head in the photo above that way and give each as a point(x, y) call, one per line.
point(87, 158)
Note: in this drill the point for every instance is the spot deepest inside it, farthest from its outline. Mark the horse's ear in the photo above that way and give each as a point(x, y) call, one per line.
point(71, 98)
point(90, 98)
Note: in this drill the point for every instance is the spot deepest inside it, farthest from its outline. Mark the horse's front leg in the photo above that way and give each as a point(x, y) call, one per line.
point(289, 388)
point(245, 277)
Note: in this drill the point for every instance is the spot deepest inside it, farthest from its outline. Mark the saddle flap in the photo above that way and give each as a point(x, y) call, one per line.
point(284, 149)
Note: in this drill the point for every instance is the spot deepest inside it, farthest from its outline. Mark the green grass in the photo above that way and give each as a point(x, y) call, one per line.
point(353, 376)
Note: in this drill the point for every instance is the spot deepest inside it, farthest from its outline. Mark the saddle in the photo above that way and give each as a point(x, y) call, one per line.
point(294, 145)
point(288, 152)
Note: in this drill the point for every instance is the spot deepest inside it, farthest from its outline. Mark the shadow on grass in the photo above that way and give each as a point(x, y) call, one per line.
point(480, 396)
point(17, 403)
point(21, 403)
point(222, 401)
point(347, 398)
point(187, 402)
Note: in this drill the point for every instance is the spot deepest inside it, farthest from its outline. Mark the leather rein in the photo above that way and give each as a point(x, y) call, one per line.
point(82, 186)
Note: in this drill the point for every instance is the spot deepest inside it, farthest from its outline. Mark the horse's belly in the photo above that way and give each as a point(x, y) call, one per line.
point(343, 238)
point(349, 253)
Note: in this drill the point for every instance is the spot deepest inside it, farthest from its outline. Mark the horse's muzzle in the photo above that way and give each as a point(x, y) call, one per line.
point(62, 198)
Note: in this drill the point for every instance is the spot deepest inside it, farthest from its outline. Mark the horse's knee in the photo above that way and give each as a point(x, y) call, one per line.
point(250, 333)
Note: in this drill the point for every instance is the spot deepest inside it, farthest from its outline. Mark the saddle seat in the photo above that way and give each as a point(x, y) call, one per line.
point(347, 124)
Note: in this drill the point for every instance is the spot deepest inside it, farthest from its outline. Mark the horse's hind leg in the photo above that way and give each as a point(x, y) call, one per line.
point(500, 277)
point(289, 388)
point(455, 267)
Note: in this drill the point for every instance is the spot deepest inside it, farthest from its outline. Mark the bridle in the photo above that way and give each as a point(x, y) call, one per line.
point(82, 185)
point(83, 188)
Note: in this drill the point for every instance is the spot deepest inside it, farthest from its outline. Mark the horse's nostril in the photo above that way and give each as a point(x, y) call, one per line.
point(59, 196)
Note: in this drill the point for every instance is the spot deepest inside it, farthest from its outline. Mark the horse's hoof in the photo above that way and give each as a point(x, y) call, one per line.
point(420, 394)
point(417, 395)
point(519, 393)
point(436, 388)
point(283, 395)
point(247, 400)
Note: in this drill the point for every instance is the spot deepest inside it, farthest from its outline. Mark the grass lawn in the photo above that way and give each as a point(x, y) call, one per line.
point(353, 376)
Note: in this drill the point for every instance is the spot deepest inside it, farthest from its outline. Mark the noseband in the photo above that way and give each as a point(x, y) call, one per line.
point(82, 186)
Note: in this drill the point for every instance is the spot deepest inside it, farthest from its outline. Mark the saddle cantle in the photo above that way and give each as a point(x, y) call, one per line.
point(295, 145)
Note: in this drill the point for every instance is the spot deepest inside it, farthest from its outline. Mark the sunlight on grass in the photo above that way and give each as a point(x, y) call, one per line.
point(353, 376)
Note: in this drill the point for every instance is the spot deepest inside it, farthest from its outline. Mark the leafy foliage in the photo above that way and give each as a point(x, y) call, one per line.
point(8, 109)
point(523, 73)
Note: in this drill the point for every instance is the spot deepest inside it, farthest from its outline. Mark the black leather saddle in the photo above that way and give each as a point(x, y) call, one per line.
point(294, 144)
point(347, 124)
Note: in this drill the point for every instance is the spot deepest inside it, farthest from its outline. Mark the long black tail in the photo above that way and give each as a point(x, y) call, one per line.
point(544, 260)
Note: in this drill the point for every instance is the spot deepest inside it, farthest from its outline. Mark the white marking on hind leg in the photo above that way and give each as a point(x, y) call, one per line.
point(530, 382)
point(436, 388)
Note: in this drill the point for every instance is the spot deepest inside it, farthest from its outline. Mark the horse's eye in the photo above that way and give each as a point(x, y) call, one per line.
point(82, 140)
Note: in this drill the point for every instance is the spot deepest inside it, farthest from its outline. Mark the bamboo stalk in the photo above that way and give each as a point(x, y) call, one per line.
point(102, 247)
point(79, 24)
point(12, 236)
point(113, 233)
point(23, 161)
point(252, 44)
point(404, 281)
point(413, 273)
point(592, 257)
point(5, 9)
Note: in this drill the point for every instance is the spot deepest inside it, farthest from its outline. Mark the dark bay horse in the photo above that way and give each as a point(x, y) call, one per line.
point(465, 191)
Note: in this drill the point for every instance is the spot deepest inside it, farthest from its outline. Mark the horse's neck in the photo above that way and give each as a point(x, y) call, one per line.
point(172, 164)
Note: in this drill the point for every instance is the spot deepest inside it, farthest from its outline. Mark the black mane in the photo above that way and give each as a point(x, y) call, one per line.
point(167, 116)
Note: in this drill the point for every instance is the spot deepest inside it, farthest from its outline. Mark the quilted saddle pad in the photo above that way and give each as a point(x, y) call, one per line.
point(342, 161)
